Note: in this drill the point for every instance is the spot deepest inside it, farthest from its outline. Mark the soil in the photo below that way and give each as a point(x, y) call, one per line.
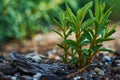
point(21, 67)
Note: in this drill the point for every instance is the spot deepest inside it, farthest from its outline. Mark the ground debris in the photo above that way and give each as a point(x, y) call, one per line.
point(18, 63)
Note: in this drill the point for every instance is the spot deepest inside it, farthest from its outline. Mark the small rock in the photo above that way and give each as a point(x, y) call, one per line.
point(106, 58)
point(116, 63)
point(17, 74)
point(100, 64)
point(99, 71)
point(37, 76)
point(34, 57)
point(77, 78)
point(25, 77)
point(92, 73)
point(57, 58)
point(14, 78)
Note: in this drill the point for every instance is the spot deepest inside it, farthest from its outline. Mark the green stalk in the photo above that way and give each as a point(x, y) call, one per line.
point(65, 46)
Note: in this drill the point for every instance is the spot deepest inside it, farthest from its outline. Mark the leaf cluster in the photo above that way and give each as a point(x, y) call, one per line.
point(91, 32)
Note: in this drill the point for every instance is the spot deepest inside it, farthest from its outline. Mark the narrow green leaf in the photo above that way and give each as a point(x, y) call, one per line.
point(70, 43)
point(86, 42)
point(105, 17)
point(86, 23)
point(96, 47)
point(69, 33)
point(102, 8)
point(116, 25)
point(79, 12)
point(91, 32)
point(70, 13)
point(86, 8)
point(57, 23)
point(91, 14)
point(104, 49)
point(73, 25)
point(85, 51)
point(83, 11)
point(89, 37)
point(109, 33)
point(97, 10)
point(91, 50)
point(74, 60)
point(83, 37)
point(61, 46)
point(58, 33)
point(103, 39)
point(63, 20)
point(101, 31)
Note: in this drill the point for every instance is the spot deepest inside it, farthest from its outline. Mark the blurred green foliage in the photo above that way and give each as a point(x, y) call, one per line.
point(116, 9)
point(22, 19)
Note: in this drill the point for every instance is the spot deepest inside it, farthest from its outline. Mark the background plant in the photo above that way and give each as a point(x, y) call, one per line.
point(91, 32)
point(21, 19)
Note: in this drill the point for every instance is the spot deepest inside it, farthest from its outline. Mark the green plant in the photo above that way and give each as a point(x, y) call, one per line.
point(89, 34)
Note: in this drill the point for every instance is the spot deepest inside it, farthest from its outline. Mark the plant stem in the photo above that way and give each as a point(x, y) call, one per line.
point(93, 43)
point(66, 47)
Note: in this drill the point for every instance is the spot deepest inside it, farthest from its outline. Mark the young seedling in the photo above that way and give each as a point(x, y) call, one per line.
point(91, 32)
